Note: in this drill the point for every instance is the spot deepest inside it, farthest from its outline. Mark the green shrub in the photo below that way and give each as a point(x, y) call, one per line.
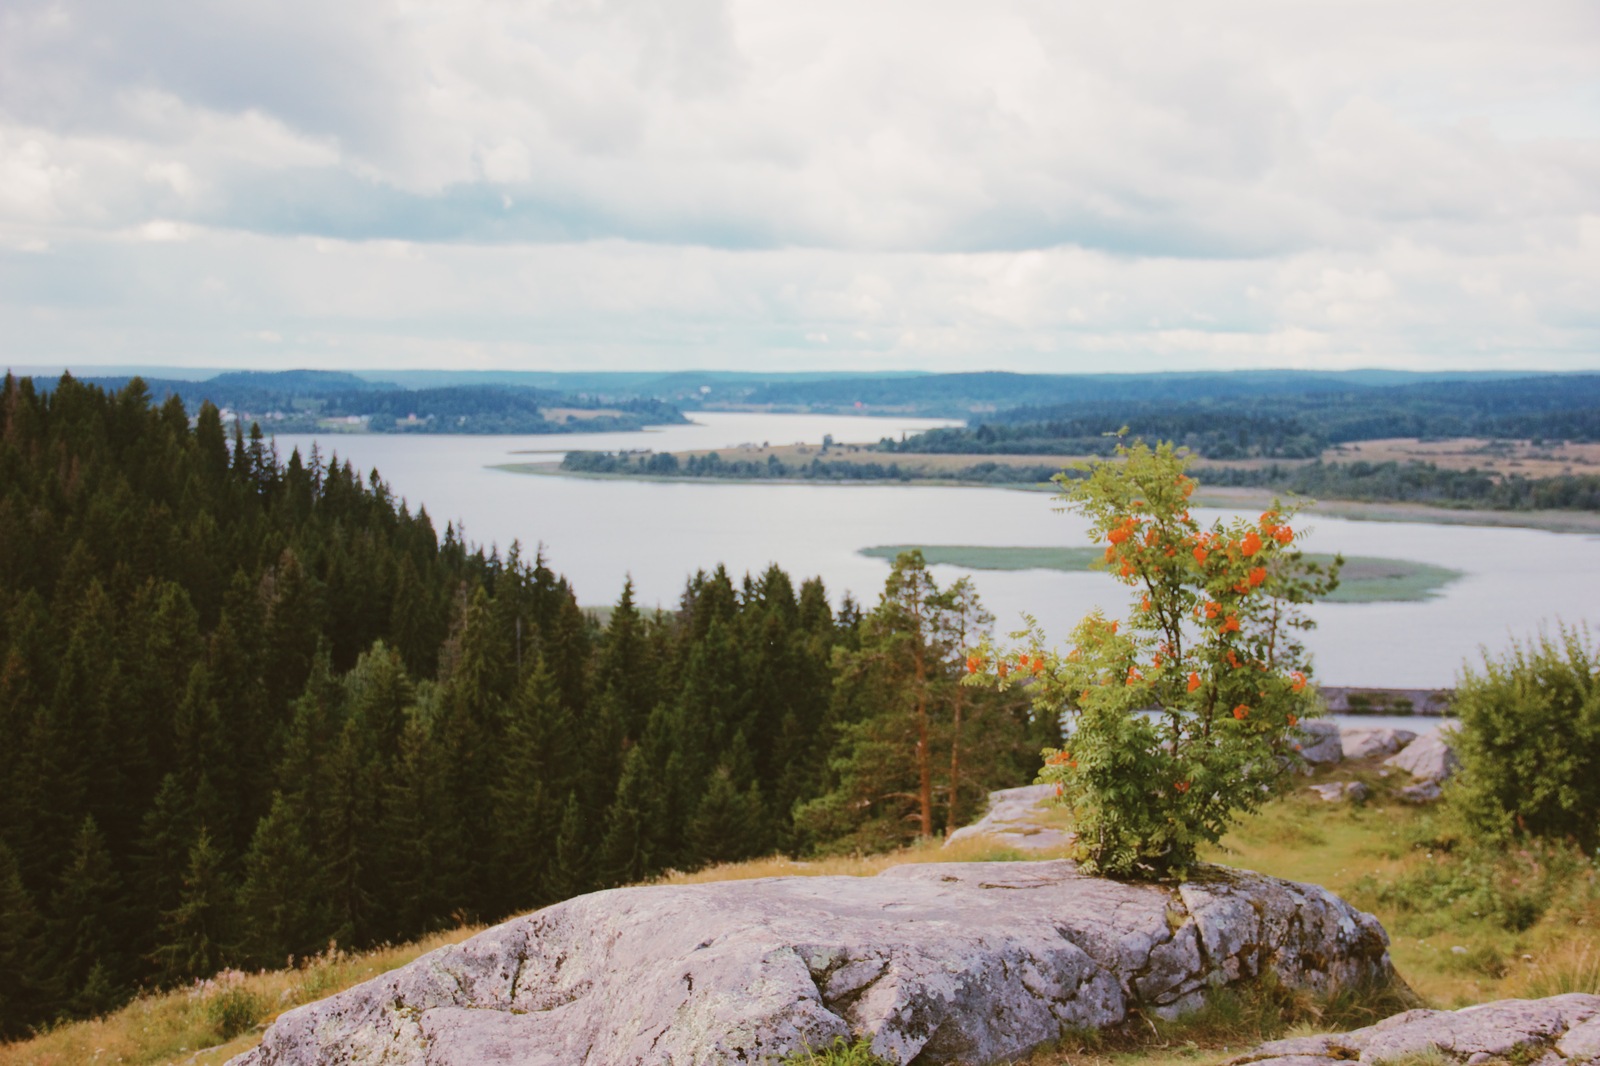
point(231, 1007)
point(1465, 879)
point(1529, 741)
point(1212, 639)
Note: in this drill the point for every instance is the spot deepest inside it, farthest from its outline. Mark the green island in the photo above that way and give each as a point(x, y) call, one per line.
point(1364, 579)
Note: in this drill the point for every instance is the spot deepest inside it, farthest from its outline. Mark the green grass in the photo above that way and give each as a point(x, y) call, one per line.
point(983, 557)
point(839, 1053)
point(1365, 579)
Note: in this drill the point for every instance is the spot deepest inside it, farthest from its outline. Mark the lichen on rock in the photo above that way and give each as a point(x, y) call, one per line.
point(949, 962)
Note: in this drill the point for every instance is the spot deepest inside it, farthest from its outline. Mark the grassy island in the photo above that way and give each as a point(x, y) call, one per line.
point(1364, 579)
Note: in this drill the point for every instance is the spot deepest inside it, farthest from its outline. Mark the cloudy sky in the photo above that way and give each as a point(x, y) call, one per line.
point(832, 184)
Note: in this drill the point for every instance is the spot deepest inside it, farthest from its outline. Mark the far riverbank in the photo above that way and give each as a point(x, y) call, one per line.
point(1221, 497)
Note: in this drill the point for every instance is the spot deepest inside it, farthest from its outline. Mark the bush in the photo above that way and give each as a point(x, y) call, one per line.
point(1529, 741)
point(231, 1007)
point(1211, 643)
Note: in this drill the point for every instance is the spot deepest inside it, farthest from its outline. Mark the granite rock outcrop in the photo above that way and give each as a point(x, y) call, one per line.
point(937, 963)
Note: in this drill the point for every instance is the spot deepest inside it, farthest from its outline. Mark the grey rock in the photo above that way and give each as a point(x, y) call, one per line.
point(1421, 792)
point(1343, 791)
point(1320, 743)
point(1582, 1041)
point(1562, 1029)
point(1363, 742)
point(1012, 819)
point(1427, 758)
point(948, 962)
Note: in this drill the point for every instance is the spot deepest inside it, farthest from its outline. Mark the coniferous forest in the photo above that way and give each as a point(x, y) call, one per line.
point(253, 704)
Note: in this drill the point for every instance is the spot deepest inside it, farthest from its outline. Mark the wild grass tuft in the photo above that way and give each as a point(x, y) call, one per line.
point(1572, 967)
point(841, 1052)
point(1430, 1056)
point(968, 849)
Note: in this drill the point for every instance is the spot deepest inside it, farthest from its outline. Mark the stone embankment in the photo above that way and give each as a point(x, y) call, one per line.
point(940, 963)
point(1558, 1031)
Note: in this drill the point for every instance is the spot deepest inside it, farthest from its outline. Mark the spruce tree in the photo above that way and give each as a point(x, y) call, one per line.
point(569, 875)
point(626, 851)
point(194, 936)
point(279, 919)
point(87, 959)
point(536, 772)
point(21, 932)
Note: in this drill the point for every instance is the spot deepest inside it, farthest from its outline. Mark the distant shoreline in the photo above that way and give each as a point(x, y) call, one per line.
point(1225, 498)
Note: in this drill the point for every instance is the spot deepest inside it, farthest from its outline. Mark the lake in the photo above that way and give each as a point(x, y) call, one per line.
point(597, 532)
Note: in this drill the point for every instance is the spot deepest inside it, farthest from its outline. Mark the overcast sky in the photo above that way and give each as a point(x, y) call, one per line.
point(770, 184)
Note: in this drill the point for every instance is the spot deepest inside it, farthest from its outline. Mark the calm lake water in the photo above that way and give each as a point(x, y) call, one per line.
point(598, 532)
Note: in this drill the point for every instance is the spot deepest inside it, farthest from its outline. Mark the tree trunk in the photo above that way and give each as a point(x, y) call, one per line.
point(924, 752)
point(955, 762)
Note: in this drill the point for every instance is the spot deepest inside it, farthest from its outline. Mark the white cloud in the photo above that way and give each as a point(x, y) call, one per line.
point(920, 181)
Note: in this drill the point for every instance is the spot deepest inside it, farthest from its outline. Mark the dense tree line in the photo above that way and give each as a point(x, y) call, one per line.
point(712, 465)
point(963, 393)
point(252, 705)
point(298, 400)
point(1415, 482)
point(1408, 482)
point(1286, 426)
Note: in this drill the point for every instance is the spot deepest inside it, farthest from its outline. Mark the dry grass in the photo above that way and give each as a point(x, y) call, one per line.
point(214, 1020)
point(969, 849)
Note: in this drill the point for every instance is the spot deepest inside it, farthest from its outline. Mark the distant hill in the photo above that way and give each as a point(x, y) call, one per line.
point(304, 401)
point(1259, 420)
point(299, 382)
point(957, 395)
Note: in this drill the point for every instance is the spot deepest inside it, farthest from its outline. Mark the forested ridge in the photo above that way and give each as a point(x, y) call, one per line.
point(254, 704)
point(1283, 425)
point(301, 400)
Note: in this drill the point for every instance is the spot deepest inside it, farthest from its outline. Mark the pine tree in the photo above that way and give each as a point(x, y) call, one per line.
point(537, 769)
point(729, 824)
point(86, 955)
point(279, 918)
point(21, 930)
point(569, 874)
point(166, 832)
point(194, 936)
point(625, 853)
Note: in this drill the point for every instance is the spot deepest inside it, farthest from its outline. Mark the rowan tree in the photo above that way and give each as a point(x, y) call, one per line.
point(1184, 715)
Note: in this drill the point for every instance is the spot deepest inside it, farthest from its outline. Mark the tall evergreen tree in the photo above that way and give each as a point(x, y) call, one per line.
point(279, 919)
point(196, 934)
point(87, 955)
point(22, 985)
